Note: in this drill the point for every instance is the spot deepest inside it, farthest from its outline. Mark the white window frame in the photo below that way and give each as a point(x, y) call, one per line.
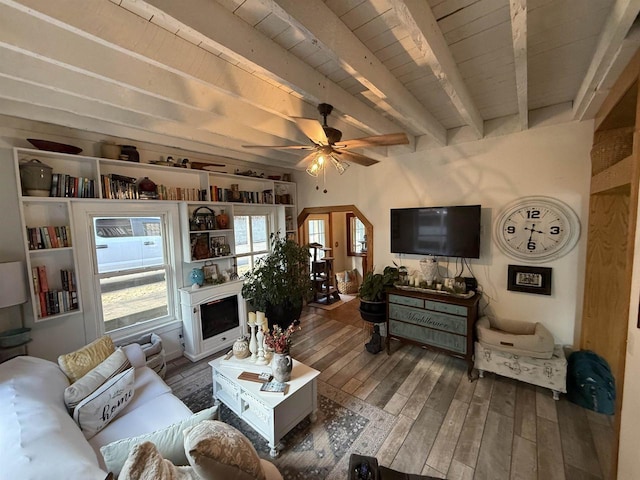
point(260, 211)
point(89, 278)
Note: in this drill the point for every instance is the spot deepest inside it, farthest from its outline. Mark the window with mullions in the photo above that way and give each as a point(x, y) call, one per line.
point(316, 229)
point(131, 269)
point(251, 233)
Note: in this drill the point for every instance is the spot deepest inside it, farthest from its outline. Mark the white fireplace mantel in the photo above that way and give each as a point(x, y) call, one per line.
point(195, 347)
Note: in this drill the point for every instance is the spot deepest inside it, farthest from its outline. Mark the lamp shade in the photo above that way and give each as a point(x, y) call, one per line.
point(13, 285)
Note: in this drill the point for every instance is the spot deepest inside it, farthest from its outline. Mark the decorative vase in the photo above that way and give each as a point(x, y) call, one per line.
point(196, 276)
point(281, 366)
point(129, 153)
point(429, 267)
point(241, 348)
point(222, 220)
point(36, 178)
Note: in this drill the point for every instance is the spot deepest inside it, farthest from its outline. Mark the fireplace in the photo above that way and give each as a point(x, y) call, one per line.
point(212, 318)
point(218, 316)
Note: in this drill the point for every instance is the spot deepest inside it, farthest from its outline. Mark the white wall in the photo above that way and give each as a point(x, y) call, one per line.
point(550, 160)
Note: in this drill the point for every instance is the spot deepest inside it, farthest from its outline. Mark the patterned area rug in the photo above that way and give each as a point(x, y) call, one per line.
point(318, 450)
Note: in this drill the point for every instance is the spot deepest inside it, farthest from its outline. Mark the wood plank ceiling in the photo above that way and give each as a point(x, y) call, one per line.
point(211, 76)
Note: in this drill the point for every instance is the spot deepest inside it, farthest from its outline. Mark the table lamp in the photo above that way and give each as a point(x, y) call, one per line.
point(13, 289)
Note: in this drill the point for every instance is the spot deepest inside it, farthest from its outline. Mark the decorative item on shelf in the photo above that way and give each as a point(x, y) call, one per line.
point(241, 348)
point(429, 267)
point(286, 177)
point(197, 277)
point(50, 146)
point(147, 189)
point(110, 150)
point(210, 271)
point(200, 246)
point(35, 177)
point(203, 218)
point(235, 192)
point(129, 153)
point(222, 220)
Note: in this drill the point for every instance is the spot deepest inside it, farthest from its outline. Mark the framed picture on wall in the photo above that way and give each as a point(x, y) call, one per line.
point(522, 278)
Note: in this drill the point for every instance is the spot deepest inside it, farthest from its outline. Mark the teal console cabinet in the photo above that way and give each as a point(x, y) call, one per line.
point(440, 322)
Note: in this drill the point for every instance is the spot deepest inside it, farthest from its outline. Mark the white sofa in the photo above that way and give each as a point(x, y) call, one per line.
point(40, 440)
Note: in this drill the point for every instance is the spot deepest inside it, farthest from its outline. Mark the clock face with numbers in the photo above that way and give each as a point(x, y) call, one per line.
point(537, 229)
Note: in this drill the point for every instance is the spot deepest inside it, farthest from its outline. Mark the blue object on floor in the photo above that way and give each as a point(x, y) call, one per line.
point(590, 382)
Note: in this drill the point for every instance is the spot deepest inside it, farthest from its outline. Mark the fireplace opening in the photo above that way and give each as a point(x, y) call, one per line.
point(218, 316)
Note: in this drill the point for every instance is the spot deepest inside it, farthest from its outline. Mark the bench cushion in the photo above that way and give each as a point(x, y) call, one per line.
point(516, 337)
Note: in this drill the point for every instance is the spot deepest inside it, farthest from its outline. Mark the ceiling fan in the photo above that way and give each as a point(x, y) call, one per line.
point(327, 144)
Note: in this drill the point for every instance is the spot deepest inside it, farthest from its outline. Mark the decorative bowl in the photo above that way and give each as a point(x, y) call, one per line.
point(14, 337)
point(53, 146)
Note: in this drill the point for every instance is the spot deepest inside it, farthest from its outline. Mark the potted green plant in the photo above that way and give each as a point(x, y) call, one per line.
point(280, 282)
point(372, 292)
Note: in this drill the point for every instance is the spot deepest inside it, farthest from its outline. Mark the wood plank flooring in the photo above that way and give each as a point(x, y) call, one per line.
point(493, 428)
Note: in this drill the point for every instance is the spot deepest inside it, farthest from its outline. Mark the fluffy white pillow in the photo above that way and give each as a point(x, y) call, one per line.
point(169, 442)
point(96, 411)
point(116, 363)
point(217, 451)
point(146, 463)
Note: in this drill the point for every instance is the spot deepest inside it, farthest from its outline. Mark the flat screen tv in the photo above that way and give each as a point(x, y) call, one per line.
point(440, 231)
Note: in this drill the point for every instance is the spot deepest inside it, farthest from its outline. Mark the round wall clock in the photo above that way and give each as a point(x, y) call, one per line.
point(537, 229)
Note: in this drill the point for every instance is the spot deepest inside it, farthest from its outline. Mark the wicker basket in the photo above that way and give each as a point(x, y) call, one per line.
point(609, 147)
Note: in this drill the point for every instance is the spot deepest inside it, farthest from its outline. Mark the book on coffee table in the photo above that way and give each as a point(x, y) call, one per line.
point(274, 387)
point(255, 377)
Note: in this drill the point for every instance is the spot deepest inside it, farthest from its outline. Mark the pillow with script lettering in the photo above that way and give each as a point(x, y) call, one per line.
point(98, 409)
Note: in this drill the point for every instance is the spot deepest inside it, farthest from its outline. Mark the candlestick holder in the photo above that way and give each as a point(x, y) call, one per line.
point(261, 360)
point(253, 343)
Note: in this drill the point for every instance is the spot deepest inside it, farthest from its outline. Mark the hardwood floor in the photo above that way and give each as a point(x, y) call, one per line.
point(446, 426)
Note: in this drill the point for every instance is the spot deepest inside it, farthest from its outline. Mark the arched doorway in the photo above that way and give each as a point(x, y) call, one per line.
point(367, 258)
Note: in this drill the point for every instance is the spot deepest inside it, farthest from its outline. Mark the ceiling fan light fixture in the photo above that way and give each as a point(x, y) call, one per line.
point(313, 169)
point(341, 167)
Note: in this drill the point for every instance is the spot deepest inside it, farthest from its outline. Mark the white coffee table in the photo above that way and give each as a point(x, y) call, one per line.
point(271, 415)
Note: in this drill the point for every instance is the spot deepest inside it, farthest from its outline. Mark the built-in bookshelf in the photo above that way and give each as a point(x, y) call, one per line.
point(48, 221)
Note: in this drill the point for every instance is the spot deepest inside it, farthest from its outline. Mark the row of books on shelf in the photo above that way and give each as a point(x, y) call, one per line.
point(63, 185)
point(49, 237)
point(54, 301)
point(241, 196)
point(122, 187)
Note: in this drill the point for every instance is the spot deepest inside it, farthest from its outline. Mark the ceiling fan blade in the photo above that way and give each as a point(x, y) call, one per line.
point(312, 129)
point(306, 159)
point(355, 158)
point(375, 141)
point(283, 147)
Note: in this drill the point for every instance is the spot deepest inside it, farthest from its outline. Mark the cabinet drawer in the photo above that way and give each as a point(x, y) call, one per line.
point(427, 318)
point(446, 307)
point(436, 338)
point(412, 302)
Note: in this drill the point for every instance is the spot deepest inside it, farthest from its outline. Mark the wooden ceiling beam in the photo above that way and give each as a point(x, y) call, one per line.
point(417, 17)
point(145, 56)
point(37, 72)
point(240, 41)
point(518, 11)
point(606, 57)
point(316, 20)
